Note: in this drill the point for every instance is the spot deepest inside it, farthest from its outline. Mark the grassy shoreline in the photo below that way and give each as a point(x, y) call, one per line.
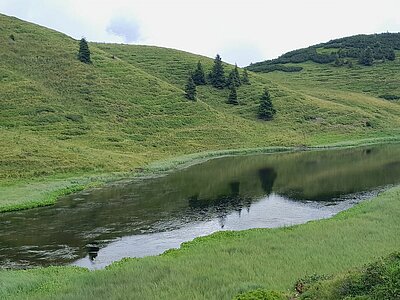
point(47, 191)
point(224, 264)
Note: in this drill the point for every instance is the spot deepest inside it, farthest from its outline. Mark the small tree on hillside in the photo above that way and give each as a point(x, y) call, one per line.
point(266, 110)
point(84, 52)
point(232, 98)
point(245, 78)
point(237, 76)
point(366, 57)
point(234, 78)
point(190, 89)
point(199, 77)
point(217, 75)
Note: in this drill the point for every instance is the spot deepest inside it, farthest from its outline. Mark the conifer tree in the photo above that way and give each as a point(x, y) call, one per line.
point(245, 78)
point(232, 98)
point(266, 110)
point(217, 74)
point(237, 76)
point(84, 52)
point(199, 77)
point(190, 89)
point(233, 78)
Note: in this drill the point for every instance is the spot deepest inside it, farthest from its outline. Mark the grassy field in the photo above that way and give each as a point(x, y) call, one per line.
point(227, 263)
point(65, 126)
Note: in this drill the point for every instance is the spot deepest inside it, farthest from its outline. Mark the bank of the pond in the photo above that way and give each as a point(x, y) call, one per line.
point(45, 191)
point(224, 264)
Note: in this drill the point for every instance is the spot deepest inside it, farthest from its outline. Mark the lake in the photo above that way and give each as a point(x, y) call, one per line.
point(148, 216)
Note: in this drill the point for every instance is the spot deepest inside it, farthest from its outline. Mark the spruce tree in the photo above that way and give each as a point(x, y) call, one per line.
point(233, 78)
point(84, 52)
point(237, 76)
point(232, 98)
point(190, 89)
point(245, 78)
point(266, 110)
point(199, 77)
point(217, 74)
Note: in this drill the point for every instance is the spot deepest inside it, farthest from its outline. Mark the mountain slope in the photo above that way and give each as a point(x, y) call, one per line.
point(60, 117)
point(340, 51)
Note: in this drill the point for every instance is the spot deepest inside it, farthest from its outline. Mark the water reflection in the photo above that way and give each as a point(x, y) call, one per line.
point(149, 216)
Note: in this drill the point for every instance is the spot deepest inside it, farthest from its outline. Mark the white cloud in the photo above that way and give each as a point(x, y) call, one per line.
point(126, 28)
point(242, 31)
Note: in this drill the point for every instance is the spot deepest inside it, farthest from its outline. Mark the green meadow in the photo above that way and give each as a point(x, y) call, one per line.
point(67, 126)
point(63, 123)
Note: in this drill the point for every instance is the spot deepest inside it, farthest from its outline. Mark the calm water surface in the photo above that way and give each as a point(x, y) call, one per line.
point(147, 217)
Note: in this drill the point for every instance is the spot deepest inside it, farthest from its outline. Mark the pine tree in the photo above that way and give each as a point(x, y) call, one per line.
point(266, 110)
point(233, 78)
point(232, 98)
point(217, 74)
point(366, 57)
point(190, 89)
point(237, 76)
point(245, 78)
point(84, 52)
point(199, 77)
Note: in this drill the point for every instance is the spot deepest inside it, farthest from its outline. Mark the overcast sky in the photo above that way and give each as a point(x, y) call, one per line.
point(241, 31)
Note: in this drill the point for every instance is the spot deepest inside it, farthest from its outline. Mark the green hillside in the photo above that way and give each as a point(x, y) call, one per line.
point(65, 126)
point(343, 51)
point(62, 119)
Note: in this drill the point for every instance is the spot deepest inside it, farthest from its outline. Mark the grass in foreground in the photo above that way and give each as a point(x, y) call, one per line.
point(225, 264)
point(379, 280)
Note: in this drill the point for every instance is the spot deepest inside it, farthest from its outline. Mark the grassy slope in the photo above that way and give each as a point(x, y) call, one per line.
point(227, 263)
point(64, 121)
